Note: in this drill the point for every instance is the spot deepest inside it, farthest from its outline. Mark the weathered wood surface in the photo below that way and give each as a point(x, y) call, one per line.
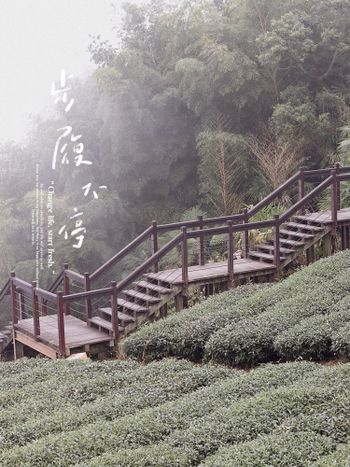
point(325, 217)
point(213, 271)
point(77, 333)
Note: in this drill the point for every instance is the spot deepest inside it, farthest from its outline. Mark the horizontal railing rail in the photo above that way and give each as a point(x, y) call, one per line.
point(123, 253)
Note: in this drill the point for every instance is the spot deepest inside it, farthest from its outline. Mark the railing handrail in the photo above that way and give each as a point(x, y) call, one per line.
point(301, 203)
point(267, 200)
point(122, 253)
point(149, 262)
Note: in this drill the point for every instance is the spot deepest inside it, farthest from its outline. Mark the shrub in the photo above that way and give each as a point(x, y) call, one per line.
point(341, 340)
point(286, 449)
point(340, 457)
point(154, 455)
point(186, 334)
point(252, 340)
point(312, 337)
point(151, 425)
point(143, 387)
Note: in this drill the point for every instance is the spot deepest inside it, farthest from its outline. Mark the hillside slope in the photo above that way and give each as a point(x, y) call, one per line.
point(172, 413)
point(305, 316)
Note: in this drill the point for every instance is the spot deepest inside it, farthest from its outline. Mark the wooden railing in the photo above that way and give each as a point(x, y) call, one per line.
point(239, 223)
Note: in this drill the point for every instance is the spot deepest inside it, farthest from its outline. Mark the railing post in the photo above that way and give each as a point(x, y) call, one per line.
point(36, 318)
point(22, 310)
point(276, 242)
point(61, 330)
point(201, 252)
point(301, 186)
point(230, 255)
point(66, 286)
point(14, 299)
point(88, 304)
point(245, 245)
point(334, 208)
point(155, 242)
point(184, 254)
point(114, 304)
point(337, 167)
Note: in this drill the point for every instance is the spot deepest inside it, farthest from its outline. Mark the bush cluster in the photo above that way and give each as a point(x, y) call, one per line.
point(174, 413)
point(295, 318)
point(304, 324)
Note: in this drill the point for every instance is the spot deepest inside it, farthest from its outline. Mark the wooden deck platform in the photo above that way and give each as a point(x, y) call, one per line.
point(77, 333)
point(214, 272)
point(325, 217)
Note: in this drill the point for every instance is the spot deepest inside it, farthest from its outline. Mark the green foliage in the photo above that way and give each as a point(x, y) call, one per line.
point(250, 325)
point(185, 333)
point(256, 339)
point(130, 427)
point(284, 449)
point(341, 456)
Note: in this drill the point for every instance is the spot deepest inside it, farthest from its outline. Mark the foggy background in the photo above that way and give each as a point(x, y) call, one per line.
point(37, 39)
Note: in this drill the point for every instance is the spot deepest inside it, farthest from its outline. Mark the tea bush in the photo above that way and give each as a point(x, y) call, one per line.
point(286, 449)
point(338, 458)
point(240, 326)
point(252, 340)
point(151, 425)
point(184, 334)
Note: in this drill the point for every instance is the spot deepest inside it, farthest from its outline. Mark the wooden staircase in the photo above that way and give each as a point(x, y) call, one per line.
point(295, 237)
point(60, 321)
point(146, 301)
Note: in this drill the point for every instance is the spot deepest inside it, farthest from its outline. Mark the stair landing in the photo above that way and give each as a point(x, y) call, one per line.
point(77, 333)
point(325, 217)
point(214, 271)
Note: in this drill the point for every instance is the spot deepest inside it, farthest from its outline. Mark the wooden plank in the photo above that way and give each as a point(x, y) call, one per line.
point(36, 345)
point(77, 332)
point(212, 271)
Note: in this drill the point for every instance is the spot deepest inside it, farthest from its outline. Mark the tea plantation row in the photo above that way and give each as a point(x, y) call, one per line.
point(173, 413)
point(305, 316)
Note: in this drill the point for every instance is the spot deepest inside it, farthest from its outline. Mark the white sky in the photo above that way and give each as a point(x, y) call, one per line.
point(38, 38)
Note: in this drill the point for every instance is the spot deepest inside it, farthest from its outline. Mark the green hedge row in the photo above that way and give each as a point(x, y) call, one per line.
point(252, 340)
point(283, 450)
point(186, 334)
point(152, 425)
point(251, 417)
point(71, 394)
point(168, 381)
point(156, 455)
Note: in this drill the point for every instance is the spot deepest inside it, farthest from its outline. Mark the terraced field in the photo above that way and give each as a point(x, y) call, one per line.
point(177, 412)
point(172, 413)
point(305, 316)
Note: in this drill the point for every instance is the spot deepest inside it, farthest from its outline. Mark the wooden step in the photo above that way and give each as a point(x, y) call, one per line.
point(296, 225)
point(103, 324)
point(266, 256)
point(122, 317)
point(153, 287)
point(284, 250)
point(309, 221)
point(291, 233)
point(141, 296)
point(294, 243)
point(132, 306)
